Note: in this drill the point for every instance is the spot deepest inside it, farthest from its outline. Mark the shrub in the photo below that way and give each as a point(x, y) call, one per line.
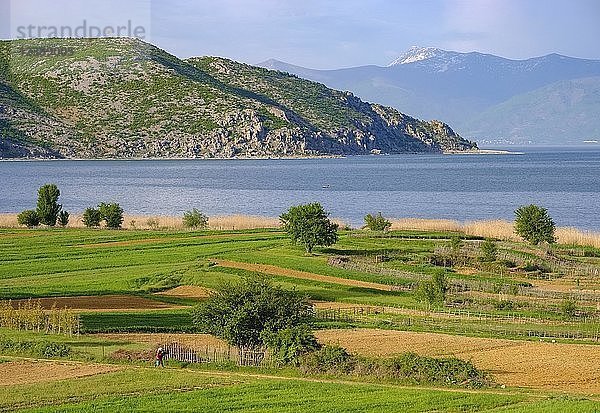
point(534, 225)
point(377, 222)
point(289, 344)
point(435, 290)
point(569, 308)
point(328, 359)
point(47, 204)
point(152, 223)
point(34, 348)
point(91, 218)
point(112, 214)
point(489, 250)
point(63, 218)
point(195, 219)
point(309, 226)
point(29, 218)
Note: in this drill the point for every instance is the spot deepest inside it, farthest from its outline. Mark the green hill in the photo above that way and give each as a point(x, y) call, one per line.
point(123, 98)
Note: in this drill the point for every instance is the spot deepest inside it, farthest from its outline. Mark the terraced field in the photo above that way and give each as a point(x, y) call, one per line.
point(134, 290)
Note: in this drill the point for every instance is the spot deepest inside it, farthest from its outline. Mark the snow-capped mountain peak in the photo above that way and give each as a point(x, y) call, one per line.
point(417, 54)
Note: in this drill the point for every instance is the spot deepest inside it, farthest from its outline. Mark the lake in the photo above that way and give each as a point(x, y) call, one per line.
point(462, 187)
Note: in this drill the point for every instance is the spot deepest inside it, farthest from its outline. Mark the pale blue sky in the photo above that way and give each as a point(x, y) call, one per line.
point(330, 33)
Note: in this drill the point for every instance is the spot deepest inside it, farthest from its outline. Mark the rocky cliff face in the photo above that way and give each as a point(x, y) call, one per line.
point(122, 98)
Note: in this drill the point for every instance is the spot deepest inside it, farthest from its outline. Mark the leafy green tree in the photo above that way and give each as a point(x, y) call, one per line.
point(195, 219)
point(569, 308)
point(377, 222)
point(112, 214)
point(489, 250)
point(309, 226)
point(29, 218)
point(247, 314)
point(91, 218)
point(47, 204)
point(534, 225)
point(63, 218)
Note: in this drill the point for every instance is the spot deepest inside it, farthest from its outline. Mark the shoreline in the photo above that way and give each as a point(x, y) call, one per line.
point(272, 158)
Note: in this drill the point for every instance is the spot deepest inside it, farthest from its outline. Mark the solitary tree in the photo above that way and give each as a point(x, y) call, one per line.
point(309, 226)
point(91, 217)
point(29, 218)
point(534, 225)
point(47, 204)
point(252, 312)
point(435, 290)
point(195, 219)
point(377, 222)
point(112, 214)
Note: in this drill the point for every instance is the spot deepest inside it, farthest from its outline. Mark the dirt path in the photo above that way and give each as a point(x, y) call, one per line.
point(550, 366)
point(286, 272)
point(99, 303)
point(27, 372)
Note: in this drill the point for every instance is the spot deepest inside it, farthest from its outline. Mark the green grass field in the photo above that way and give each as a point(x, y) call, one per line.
point(81, 262)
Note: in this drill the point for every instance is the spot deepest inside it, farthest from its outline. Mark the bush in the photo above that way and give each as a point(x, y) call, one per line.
point(29, 218)
point(47, 204)
point(377, 222)
point(309, 226)
point(195, 219)
point(569, 308)
point(289, 344)
point(91, 218)
point(328, 359)
point(489, 251)
point(63, 218)
point(434, 291)
point(534, 225)
point(45, 349)
point(112, 214)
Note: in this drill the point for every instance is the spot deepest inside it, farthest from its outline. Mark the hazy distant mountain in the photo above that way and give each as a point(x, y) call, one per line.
point(123, 98)
point(481, 95)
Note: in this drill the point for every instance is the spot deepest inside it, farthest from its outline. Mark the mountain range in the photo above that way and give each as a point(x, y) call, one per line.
point(552, 99)
point(124, 98)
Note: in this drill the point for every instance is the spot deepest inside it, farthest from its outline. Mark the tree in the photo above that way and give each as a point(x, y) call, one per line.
point(248, 313)
point(435, 290)
point(112, 214)
point(29, 218)
point(91, 217)
point(534, 225)
point(489, 250)
point(309, 226)
point(377, 222)
point(569, 308)
point(63, 218)
point(47, 204)
point(289, 344)
point(195, 219)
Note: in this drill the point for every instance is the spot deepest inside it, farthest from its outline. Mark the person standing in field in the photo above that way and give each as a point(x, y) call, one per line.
point(160, 354)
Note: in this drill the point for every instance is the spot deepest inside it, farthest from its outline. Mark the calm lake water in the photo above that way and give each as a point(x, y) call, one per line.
point(462, 187)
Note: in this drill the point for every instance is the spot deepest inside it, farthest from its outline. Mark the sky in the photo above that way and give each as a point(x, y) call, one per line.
point(322, 34)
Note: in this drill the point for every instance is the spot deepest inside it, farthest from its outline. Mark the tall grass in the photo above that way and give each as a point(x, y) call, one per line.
point(225, 222)
point(498, 229)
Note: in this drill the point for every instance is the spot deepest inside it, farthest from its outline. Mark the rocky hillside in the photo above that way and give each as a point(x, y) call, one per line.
point(123, 98)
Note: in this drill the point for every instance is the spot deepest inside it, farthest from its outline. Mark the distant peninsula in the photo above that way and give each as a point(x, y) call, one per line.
point(124, 98)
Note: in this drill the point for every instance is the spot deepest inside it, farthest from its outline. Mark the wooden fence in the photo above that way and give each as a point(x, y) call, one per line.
point(209, 354)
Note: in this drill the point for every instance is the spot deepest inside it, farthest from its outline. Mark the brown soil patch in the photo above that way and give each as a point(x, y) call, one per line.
point(286, 272)
point(188, 291)
point(551, 366)
point(98, 303)
point(26, 372)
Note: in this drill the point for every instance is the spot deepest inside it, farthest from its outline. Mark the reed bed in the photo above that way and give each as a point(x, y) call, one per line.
point(498, 229)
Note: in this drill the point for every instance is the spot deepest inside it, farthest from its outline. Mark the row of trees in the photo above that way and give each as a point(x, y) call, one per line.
point(30, 316)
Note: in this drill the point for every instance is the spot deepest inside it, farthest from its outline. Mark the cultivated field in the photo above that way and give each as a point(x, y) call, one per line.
point(134, 290)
